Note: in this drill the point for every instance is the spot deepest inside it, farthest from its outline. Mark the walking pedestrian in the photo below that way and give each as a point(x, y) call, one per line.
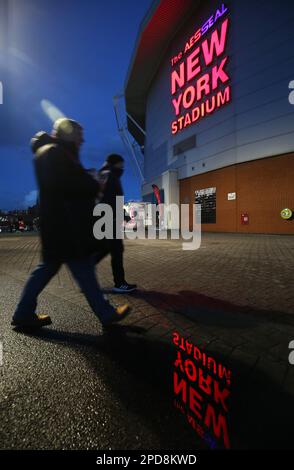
point(66, 198)
point(110, 174)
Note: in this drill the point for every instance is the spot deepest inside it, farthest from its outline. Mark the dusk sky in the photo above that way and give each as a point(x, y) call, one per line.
point(74, 54)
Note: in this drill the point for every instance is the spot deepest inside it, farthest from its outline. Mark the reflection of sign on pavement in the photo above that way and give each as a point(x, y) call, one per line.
point(286, 214)
point(202, 392)
point(207, 199)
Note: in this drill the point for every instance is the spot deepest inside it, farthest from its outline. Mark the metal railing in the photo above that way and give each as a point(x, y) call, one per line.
point(133, 148)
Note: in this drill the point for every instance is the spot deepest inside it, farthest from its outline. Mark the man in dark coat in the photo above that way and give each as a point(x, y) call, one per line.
point(110, 175)
point(66, 197)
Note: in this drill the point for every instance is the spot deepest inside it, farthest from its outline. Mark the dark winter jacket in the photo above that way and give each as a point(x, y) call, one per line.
point(110, 178)
point(110, 181)
point(66, 197)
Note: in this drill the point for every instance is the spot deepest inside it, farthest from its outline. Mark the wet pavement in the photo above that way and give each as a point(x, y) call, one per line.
point(75, 386)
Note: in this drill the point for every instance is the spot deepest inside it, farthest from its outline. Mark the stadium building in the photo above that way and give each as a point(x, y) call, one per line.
point(208, 95)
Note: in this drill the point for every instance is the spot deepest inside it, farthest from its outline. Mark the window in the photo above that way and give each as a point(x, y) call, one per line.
point(207, 199)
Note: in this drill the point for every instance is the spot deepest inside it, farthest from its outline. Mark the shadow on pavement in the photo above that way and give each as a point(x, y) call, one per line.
point(210, 311)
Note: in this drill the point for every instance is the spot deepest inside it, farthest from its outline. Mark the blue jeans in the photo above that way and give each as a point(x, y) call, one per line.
point(83, 271)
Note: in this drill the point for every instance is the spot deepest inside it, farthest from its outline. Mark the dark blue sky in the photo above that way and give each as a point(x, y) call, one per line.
point(75, 54)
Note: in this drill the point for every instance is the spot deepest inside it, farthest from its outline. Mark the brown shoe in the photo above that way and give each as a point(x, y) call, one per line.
point(36, 321)
point(120, 313)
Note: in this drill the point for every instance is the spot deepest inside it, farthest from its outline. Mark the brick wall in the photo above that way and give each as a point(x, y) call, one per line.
point(264, 187)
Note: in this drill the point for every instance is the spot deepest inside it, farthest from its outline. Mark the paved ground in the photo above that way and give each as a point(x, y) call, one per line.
point(74, 386)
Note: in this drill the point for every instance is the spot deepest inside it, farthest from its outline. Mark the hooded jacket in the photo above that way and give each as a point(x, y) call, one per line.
point(66, 197)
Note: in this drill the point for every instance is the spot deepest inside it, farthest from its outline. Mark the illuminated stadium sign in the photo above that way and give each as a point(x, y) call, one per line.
point(199, 79)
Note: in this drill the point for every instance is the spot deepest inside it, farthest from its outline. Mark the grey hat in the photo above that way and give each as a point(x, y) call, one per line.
point(67, 130)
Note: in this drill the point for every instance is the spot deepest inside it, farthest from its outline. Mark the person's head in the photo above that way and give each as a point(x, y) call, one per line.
point(116, 162)
point(68, 130)
point(39, 140)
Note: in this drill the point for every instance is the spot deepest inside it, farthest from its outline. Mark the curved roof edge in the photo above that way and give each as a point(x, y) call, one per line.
point(161, 23)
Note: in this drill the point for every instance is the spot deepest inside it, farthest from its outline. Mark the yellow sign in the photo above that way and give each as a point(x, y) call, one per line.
point(286, 214)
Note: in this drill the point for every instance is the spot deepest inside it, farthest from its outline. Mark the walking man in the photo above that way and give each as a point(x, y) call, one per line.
point(66, 197)
point(110, 174)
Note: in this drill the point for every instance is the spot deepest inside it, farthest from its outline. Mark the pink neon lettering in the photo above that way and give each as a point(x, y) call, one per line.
point(178, 78)
point(217, 44)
